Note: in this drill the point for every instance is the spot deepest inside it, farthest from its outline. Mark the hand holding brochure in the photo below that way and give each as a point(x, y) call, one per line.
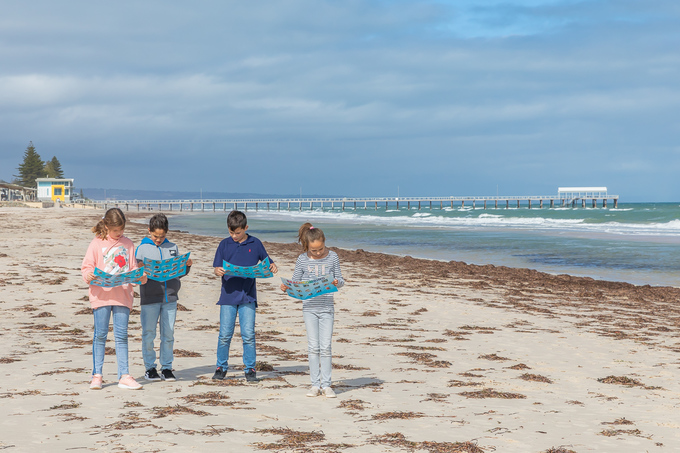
point(107, 280)
point(307, 289)
point(259, 270)
point(164, 270)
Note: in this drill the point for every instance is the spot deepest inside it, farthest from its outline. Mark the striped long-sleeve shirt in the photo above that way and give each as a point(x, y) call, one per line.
point(307, 268)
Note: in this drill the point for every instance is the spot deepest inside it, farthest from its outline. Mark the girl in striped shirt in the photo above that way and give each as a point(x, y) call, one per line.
point(318, 312)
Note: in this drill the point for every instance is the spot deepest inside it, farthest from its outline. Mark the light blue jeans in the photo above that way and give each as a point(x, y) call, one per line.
point(163, 313)
point(319, 334)
point(246, 320)
point(102, 315)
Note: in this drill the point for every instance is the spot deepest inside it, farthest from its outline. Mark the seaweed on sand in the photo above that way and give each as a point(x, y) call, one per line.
point(370, 313)
point(619, 421)
point(398, 414)
point(491, 393)
point(44, 314)
point(426, 359)
point(297, 441)
point(626, 381)
point(225, 383)
point(210, 431)
point(214, 399)
point(437, 397)
point(175, 410)
point(355, 405)
point(535, 378)
point(337, 366)
point(206, 327)
point(519, 366)
point(493, 356)
point(457, 383)
point(9, 360)
point(186, 353)
point(66, 406)
point(131, 420)
point(618, 432)
point(399, 440)
point(61, 371)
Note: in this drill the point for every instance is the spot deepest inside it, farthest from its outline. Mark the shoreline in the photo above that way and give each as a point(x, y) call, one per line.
point(428, 355)
point(593, 255)
point(441, 260)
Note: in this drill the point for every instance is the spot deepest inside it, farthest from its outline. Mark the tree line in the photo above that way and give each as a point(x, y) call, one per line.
point(33, 168)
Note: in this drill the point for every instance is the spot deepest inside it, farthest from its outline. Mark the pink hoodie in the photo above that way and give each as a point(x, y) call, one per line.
point(115, 257)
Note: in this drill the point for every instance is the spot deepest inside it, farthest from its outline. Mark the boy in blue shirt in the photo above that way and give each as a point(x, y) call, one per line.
point(238, 295)
point(158, 301)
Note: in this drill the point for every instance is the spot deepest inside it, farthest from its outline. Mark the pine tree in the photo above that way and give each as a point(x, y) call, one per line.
point(53, 168)
point(31, 168)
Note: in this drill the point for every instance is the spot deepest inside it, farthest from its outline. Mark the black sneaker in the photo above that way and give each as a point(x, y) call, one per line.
point(152, 375)
point(251, 376)
point(167, 375)
point(220, 374)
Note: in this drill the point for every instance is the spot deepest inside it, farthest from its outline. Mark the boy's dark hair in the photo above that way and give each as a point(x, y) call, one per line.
point(236, 220)
point(158, 222)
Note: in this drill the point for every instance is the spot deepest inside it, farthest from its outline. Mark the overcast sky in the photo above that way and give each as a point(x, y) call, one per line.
point(355, 98)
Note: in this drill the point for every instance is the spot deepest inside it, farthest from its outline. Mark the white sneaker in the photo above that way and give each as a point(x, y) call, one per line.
point(328, 392)
point(314, 391)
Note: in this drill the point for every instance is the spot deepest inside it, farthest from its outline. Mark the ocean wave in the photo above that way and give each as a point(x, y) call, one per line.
point(671, 228)
point(483, 220)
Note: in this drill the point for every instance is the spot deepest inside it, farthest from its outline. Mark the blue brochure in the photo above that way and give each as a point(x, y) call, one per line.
point(164, 270)
point(258, 271)
point(107, 280)
point(310, 288)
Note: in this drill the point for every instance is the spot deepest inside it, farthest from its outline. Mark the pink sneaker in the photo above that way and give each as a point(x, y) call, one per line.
point(128, 382)
point(96, 383)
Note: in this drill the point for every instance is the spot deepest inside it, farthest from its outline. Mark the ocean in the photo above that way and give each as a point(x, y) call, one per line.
point(637, 242)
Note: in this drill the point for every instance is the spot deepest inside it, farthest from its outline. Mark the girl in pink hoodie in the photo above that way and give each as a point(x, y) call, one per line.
point(113, 253)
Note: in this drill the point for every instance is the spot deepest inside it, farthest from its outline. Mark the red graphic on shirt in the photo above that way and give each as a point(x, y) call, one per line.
point(249, 250)
point(120, 260)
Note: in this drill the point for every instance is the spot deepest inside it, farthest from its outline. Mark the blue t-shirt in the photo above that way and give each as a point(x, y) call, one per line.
point(238, 290)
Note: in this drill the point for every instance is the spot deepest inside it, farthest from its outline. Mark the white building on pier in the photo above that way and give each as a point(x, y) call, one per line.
point(581, 193)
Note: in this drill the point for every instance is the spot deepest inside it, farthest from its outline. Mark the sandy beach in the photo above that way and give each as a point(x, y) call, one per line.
point(428, 356)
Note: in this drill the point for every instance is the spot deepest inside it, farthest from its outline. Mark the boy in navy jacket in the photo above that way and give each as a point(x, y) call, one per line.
point(238, 296)
point(158, 301)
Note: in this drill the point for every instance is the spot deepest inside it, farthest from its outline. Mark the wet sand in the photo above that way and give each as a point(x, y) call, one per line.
point(428, 356)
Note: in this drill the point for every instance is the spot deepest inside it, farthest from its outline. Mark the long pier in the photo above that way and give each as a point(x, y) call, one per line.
point(497, 202)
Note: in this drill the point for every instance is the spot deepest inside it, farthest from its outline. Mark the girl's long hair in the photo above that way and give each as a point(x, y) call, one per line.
point(114, 218)
point(309, 233)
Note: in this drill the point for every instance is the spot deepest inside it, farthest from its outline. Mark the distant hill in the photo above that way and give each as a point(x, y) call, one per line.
point(127, 194)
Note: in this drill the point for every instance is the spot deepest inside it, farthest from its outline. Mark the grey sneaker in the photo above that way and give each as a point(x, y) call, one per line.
point(251, 375)
point(152, 375)
point(328, 392)
point(314, 391)
point(167, 375)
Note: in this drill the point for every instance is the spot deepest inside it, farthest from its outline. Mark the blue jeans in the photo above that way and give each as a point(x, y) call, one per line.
point(162, 313)
point(319, 334)
point(246, 320)
point(102, 315)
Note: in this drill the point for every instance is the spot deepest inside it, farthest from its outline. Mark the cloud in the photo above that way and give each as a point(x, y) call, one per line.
point(419, 89)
